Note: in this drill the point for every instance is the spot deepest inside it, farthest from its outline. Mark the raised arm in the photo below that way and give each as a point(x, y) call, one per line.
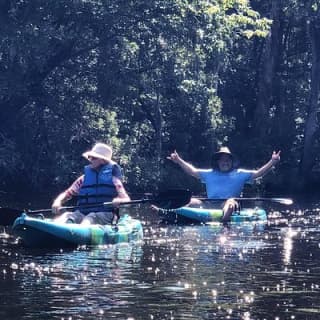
point(186, 167)
point(275, 158)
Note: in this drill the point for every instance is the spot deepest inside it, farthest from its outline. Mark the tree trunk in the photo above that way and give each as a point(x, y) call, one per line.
point(271, 52)
point(312, 123)
point(159, 131)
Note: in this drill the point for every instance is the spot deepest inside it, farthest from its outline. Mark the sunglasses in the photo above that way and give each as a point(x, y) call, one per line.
point(92, 158)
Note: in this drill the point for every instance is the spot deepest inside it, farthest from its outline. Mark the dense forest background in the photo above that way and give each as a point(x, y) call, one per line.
point(152, 76)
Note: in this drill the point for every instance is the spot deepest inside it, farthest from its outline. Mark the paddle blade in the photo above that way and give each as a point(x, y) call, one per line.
point(285, 201)
point(172, 199)
point(8, 215)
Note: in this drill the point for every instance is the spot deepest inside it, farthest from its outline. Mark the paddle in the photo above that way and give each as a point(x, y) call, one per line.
point(169, 199)
point(285, 201)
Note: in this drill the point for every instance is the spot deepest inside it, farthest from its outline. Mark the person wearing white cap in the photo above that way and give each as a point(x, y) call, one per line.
point(224, 180)
point(101, 182)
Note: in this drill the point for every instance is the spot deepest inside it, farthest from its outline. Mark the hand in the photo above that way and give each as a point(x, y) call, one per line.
point(56, 207)
point(275, 157)
point(116, 202)
point(174, 157)
point(154, 208)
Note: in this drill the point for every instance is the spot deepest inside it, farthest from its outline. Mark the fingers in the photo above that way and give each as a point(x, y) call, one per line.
point(55, 210)
point(275, 156)
point(154, 208)
point(56, 206)
point(116, 202)
point(173, 156)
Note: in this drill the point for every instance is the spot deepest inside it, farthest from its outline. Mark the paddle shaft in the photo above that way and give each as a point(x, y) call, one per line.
point(103, 204)
point(8, 215)
point(94, 205)
point(170, 199)
point(285, 201)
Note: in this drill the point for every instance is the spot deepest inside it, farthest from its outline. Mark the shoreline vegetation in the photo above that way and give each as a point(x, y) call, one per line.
point(149, 78)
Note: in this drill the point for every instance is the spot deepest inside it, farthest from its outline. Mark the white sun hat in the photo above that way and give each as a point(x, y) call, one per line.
point(99, 150)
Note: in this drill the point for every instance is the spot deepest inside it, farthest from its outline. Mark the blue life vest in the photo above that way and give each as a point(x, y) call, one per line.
point(98, 187)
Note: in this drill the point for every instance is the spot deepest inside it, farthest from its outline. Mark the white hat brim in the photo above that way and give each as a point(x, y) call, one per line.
point(95, 155)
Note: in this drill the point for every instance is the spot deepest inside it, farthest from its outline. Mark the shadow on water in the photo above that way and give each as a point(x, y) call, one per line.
point(247, 271)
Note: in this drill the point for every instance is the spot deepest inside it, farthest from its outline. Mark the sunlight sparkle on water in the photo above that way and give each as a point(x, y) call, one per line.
point(223, 239)
point(4, 235)
point(288, 245)
point(14, 266)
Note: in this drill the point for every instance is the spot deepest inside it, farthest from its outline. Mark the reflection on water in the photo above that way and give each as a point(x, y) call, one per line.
point(249, 271)
point(88, 281)
point(288, 245)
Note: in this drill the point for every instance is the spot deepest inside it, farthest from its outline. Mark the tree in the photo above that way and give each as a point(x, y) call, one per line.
point(311, 132)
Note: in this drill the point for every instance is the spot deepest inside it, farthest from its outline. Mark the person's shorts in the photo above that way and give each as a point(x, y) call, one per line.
point(100, 217)
point(73, 216)
point(93, 217)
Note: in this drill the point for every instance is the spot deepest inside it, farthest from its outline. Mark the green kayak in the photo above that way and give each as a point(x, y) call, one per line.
point(45, 233)
point(200, 215)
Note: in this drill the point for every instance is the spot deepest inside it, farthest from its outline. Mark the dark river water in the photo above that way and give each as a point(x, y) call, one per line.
point(249, 271)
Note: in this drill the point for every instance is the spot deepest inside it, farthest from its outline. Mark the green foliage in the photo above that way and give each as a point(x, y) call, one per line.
point(147, 77)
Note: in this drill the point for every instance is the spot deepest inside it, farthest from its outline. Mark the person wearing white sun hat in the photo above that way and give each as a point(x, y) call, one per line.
point(101, 182)
point(99, 150)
